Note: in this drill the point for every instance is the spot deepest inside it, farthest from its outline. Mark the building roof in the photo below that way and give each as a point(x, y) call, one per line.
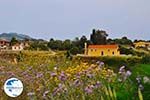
point(17, 44)
point(103, 46)
point(142, 42)
point(4, 40)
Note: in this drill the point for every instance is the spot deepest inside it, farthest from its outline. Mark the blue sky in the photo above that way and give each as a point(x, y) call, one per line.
point(64, 19)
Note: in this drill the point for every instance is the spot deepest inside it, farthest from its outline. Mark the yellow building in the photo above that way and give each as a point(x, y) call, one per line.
point(141, 44)
point(102, 50)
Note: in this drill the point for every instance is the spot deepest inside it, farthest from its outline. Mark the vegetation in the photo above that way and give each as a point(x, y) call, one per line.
point(76, 46)
point(146, 59)
point(99, 37)
point(13, 41)
point(50, 71)
point(46, 75)
point(38, 46)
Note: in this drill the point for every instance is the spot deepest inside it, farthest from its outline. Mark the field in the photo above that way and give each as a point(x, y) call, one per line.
point(52, 76)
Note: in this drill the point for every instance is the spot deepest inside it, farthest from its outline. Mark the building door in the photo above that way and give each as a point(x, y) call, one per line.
point(113, 53)
point(102, 53)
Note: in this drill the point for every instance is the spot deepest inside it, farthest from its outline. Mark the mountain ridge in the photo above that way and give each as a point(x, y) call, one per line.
point(9, 36)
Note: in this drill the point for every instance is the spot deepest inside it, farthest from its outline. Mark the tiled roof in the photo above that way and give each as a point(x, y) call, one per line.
point(4, 40)
point(142, 42)
point(103, 46)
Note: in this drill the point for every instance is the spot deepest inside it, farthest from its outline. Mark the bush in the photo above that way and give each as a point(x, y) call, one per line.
point(74, 50)
point(146, 59)
point(114, 61)
point(127, 51)
point(39, 46)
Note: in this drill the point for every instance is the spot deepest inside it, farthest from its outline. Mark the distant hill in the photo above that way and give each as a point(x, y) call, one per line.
point(9, 36)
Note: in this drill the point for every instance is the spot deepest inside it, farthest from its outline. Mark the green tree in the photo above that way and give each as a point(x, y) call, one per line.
point(55, 44)
point(67, 44)
point(110, 41)
point(38, 46)
point(13, 41)
point(74, 50)
point(123, 41)
point(83, 39)
point(98, 37)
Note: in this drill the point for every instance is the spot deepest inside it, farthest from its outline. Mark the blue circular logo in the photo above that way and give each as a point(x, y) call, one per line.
point(13, 87)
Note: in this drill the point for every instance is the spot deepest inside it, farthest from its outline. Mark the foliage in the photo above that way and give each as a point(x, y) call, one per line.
point(74, 50)
point(123, 41)
point(55, 44)
point(38, 46)
point(126, 51)
point(48, 76)
point(115, 61)
point(13, 41)
point(98, 37)
point(74, 47)
point(140, 94)
point(146, 59)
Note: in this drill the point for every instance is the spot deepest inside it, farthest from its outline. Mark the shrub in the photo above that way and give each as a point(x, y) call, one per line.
point(146, 59)
point(115, 61)
point(74, 50)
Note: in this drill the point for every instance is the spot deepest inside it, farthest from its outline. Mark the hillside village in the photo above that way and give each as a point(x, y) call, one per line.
point(6, 45)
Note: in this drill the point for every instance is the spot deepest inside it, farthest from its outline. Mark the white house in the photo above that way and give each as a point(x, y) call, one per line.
point(18, 47)
point(4, 44)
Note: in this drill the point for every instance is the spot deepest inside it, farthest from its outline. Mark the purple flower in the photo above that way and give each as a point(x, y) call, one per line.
point(53, 74)
point(55, 91)
point(101, 64)
point(88, 89)
point(39, 75)
point(30, 94)
point(62, 76)
point(97, 84)
point(89, 75)
point(128, 73)
point(98, 62)
point(77, 82)
point(122, 69)
point(60, 88)
point(29, 68)
point(45, 93)
point(11, 73)
point(78, 75)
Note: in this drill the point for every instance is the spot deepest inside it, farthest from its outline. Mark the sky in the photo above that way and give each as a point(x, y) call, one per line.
point(67, 19)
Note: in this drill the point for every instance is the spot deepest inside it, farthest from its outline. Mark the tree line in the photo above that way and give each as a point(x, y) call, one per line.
point(97, 37)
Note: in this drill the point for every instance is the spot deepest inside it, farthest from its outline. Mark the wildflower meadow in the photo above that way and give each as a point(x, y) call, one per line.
point(54, 77)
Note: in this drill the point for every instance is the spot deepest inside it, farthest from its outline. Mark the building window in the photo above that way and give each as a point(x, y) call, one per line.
point(91, 50)
point(108, 50)
point(102, 53)
point(113, 53)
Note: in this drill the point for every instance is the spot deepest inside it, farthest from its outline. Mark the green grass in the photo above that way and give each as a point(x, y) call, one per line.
point(141, 69)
